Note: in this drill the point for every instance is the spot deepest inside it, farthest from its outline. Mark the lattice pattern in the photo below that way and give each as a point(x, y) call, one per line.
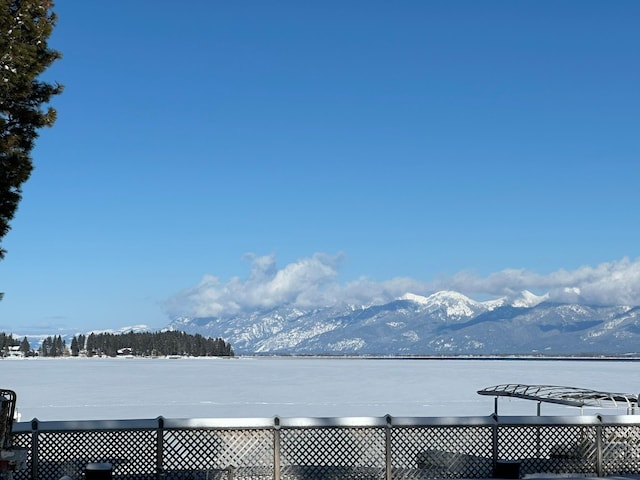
point(621, 449)
point(240, 453)
point(441, 452)
point(553, 449)
point(23, 440)
point(132, 453)
point(332, 453)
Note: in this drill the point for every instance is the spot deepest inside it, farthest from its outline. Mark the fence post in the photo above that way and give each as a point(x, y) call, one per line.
point(160, 449)
point(388, 448)
point(599, 453)
point(231, 472)
point(34, 449)
point(276, 448)
point(494, 441)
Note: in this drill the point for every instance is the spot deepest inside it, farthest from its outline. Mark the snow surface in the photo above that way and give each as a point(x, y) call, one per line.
point(121, 388)
point(526, 299)
point(459, 305)
point(415, 298)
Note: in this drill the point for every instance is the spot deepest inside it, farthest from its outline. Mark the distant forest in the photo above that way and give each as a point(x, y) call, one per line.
point(144, 344)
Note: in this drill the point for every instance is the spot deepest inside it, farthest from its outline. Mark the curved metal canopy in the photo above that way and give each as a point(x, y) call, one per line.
point(577, 397)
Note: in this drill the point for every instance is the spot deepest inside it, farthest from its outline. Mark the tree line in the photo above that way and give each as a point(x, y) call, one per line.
point(152, 344)
point(8, 341)
point(144, 344)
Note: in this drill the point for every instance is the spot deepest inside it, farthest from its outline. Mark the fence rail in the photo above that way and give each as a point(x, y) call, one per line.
point(365, 448)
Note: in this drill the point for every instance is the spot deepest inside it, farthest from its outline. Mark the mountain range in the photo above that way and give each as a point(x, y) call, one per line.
point(444, 323)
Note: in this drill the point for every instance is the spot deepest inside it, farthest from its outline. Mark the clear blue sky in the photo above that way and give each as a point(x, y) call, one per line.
point(341, 143)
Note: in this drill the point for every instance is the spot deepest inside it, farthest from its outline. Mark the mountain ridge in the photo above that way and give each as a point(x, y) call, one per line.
point(445, 322)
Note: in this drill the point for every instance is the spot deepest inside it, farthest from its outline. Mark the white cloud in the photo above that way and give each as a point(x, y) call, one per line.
point(610, 283)
point(313, 281)
point(300, 283)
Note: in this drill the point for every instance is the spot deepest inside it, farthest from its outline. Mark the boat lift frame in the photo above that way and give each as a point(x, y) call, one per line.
point(571, 396)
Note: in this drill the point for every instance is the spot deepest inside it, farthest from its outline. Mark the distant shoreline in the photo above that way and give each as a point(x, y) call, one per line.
point(532, 358)
point(577, 358)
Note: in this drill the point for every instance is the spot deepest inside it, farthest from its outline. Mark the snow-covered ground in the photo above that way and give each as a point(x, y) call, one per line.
point(112, 388)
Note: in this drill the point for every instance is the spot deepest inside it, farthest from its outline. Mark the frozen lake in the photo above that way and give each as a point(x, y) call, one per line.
point(112, 388)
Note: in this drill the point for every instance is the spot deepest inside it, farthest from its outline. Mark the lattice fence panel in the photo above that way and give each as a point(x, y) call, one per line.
point(441, 452)
point(132, 453)
point(552, 449)
point(22, 440)
point(332, 453)
point(211, 454)
point(621, 449)
point(335, 452)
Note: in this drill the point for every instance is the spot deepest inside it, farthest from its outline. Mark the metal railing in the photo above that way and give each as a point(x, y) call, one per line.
point(367, 448)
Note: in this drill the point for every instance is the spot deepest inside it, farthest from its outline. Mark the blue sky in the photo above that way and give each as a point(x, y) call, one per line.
point(263, 151)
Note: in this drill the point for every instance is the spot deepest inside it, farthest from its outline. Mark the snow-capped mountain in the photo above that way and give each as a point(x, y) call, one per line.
point(445, 323)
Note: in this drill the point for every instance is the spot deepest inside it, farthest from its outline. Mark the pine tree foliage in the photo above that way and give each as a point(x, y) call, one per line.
point(25, 27)
point(154, 344)
point(7, 341)
point(145, 344)
point(53, 347)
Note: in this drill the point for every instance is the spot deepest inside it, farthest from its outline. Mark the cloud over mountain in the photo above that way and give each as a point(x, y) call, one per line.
point(610, 283)
point(313, 281)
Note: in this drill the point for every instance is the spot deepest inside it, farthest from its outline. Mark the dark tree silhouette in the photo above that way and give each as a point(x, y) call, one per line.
point(25, 27)
point(25, 346)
